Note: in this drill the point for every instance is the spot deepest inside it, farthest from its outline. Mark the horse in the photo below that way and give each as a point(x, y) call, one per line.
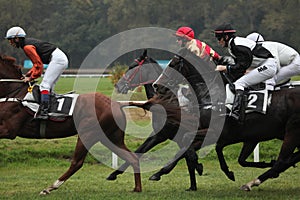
point(281, 121)
point(104, 122)
point(146, 70)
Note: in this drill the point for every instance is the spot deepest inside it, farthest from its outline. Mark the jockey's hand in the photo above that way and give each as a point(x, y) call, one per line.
point(220, 68)
point(27, 79)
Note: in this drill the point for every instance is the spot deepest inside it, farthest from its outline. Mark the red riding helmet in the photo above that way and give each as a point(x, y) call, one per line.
point(185, 32)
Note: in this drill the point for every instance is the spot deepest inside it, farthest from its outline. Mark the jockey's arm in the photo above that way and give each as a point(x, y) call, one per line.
point(37, 68)
point(243, 59)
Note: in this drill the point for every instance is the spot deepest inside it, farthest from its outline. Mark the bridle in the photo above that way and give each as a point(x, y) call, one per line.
point(135, 72)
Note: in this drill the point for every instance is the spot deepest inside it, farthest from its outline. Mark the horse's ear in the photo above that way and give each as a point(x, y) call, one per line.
point(145, 53)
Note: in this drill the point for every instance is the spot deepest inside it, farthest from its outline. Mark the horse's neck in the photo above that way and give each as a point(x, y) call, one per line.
point(150, 92)
point(15, 90)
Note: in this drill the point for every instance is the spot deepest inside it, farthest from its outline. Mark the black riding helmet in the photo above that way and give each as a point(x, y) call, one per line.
point(223, 30)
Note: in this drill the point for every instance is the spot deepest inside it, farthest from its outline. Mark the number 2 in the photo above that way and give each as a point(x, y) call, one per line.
point(252, 99)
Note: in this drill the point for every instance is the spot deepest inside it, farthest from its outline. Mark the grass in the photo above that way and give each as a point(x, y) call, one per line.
point(27, 166)
point(45, 160)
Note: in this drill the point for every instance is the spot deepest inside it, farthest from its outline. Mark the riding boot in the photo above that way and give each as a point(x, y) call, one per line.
point(44, 106)
point(239, 106)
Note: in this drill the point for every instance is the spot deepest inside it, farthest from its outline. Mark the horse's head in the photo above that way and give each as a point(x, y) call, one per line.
point(8, 72)
point(144, 70)
point(8, 68)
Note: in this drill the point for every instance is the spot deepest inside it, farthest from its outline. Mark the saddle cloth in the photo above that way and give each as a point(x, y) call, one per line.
point(257, 100)
point(60, 105)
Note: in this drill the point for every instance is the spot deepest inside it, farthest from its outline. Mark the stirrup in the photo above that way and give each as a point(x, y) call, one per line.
point(234, 116)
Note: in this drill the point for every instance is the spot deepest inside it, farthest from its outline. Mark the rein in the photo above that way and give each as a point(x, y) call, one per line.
point(12, 99)
point(11, 80)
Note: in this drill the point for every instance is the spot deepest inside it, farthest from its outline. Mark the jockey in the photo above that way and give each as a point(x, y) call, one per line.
point(287, 57)
point(256, 37)
point(246, 53)
point(186, 38)
point(40, 53)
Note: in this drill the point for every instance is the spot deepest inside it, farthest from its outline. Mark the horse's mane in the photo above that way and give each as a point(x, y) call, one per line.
point(9, 60)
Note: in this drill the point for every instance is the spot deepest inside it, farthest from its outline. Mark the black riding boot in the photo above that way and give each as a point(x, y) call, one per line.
point(43, 109)
point(239, 106)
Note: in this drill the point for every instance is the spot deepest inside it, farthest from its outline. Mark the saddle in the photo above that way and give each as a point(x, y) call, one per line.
point(61, 105)
point(257, 99)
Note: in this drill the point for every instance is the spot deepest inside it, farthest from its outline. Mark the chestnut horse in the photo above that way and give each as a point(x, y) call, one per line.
point(104, 122)
point(281, 121)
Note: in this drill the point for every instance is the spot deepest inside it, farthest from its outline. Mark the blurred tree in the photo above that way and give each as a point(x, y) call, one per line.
point(80, 25)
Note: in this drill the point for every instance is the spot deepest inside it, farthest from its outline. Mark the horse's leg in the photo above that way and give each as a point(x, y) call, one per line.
point(247, 149)
point(76, 164)
point(191, 159)
point(222, 162)
point(169, 166)
point(273, 173)
point(149, 143)
point(124, 153)
point(286, 158)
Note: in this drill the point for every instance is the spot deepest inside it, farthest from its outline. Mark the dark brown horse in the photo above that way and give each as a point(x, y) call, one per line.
point(142, 71)
point(105, 122)
point(282, 121)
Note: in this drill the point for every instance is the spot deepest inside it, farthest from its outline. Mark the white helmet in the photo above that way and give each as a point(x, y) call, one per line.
point(15, 32)
point(256, 37)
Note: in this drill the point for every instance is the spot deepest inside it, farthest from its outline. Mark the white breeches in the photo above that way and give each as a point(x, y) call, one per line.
point(288, 71)
point(59, 62)
point(265, 72)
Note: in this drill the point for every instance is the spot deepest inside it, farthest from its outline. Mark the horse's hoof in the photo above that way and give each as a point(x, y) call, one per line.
point(44, 192)
point(199, 169)
point(191, 189)
point(245, 188)
point(137, 190)
point(111, 177)
point(154, 177)
point(230, 175)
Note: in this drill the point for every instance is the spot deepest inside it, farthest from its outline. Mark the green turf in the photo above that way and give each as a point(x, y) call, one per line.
point(27, 166)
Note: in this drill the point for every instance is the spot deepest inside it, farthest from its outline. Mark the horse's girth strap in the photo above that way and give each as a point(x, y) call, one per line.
point(43, 129)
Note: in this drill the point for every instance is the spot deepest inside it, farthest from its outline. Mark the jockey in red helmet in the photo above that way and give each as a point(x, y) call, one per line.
point(186, 38)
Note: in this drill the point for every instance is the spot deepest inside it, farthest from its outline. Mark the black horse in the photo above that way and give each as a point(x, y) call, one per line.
point(143, 71)
point(281, 121)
